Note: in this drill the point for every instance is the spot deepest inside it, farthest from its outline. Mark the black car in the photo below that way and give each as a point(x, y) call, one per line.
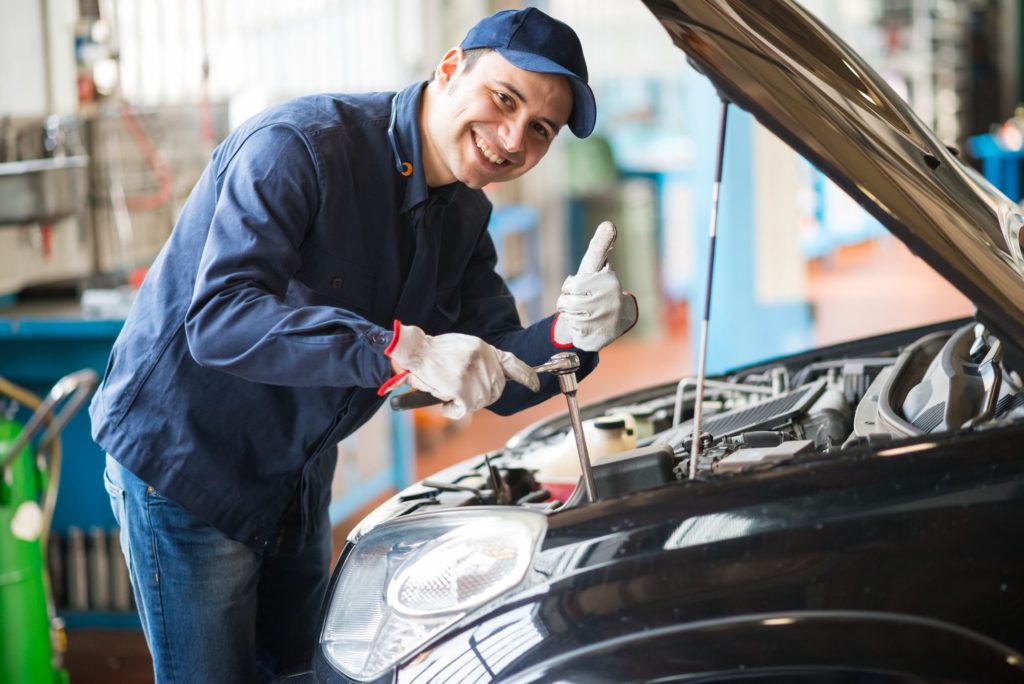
point(850, 514)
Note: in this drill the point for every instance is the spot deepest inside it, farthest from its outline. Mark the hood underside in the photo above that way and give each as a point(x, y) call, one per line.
point(777, 61)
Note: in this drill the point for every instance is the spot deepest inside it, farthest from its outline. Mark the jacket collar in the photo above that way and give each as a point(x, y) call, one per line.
point(407, 149)
point(406, 145)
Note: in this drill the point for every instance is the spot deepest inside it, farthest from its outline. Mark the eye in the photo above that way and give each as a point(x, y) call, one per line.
point(542, 130)
point(504, 99)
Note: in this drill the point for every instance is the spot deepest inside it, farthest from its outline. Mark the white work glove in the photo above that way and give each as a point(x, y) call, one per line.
point(592, 308)
point(463, 371)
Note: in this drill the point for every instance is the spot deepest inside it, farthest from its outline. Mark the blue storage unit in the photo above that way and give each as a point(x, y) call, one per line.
point(36, 350)
point(514, 231)
point(1001, 166)
point(838, 220)
point(38, 346)
point(744, 328)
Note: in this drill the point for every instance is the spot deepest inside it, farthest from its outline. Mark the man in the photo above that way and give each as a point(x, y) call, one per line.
point(335, 247)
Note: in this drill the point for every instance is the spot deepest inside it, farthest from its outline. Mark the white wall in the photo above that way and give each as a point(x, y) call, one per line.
point(22, 59)
point(36, 35)
point(264, 51)
point(60, 17)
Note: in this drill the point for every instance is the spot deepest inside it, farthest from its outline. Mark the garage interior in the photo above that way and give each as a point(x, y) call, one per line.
point(110, 109)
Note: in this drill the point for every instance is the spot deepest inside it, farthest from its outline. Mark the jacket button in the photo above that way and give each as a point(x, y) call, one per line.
point(377, 338)
point(336, 282)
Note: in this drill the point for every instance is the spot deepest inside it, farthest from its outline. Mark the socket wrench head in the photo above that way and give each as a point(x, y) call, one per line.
point(561, 363)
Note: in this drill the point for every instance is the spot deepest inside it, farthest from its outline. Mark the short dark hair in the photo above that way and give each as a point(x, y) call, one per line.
point(469, 59)
point(472, 56)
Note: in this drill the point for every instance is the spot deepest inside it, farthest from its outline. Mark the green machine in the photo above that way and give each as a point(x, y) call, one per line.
point(32, 639)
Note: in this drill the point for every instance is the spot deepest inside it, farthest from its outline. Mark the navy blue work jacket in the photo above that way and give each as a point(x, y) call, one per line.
point(256, 342)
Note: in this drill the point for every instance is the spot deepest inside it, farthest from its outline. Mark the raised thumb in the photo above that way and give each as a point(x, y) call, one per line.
point(597, 252)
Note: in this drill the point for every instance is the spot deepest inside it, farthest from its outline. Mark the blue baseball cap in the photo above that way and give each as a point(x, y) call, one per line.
point(533, 41)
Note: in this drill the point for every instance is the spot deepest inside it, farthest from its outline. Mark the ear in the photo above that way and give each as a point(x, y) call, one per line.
point(448, 65)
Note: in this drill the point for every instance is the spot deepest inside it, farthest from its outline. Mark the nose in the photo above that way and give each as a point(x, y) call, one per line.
point(512, 134)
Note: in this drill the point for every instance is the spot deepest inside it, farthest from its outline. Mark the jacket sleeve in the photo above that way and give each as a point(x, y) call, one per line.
point(489, 312)
point(237, 322)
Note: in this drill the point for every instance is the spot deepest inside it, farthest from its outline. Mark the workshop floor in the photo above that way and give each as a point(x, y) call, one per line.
point(858, 291)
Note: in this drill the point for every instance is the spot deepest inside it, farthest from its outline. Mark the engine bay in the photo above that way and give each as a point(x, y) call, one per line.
point(941, 381)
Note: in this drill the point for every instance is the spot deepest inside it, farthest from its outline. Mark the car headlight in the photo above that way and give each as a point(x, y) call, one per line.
point(409, 579)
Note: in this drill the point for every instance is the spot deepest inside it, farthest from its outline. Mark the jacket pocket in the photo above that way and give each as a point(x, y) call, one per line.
point(341, 282)
point(129, 368)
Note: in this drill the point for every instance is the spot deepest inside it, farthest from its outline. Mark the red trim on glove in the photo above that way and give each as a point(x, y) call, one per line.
point(394, 339)
point(635, 320)
point(391, 383)
point(396, 379)
point(554, 342)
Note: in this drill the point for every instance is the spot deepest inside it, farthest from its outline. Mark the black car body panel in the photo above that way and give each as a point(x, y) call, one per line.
point(901, 563)
point(866, 543)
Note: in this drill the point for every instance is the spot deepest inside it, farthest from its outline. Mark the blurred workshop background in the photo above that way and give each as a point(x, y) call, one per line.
point(109, 110)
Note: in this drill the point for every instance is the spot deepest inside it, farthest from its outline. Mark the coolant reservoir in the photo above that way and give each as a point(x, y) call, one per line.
point(558, 466)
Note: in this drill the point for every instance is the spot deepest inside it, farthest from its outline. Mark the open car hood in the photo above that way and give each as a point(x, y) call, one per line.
point(777, 61)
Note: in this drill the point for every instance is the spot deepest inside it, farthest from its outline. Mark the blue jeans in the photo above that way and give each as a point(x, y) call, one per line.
point(213, 609)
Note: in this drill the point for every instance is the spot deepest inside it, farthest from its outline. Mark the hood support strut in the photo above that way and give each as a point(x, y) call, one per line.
point(702, 360)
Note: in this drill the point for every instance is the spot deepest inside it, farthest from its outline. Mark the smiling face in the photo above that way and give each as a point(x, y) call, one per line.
point(491, 123)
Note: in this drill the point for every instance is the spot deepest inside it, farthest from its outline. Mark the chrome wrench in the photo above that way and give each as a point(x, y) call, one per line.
point(564, 365)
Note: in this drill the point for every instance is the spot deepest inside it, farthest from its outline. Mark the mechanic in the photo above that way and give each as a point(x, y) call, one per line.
point(335, 247)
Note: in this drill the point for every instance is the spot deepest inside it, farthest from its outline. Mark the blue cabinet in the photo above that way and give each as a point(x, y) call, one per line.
point(1000, 165)
point(514, 231)
point(36, 351)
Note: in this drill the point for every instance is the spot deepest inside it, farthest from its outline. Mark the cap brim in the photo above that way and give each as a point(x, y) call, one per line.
point(584, 106)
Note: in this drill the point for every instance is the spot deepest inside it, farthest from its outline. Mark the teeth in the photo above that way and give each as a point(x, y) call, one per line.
point(491, 157)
